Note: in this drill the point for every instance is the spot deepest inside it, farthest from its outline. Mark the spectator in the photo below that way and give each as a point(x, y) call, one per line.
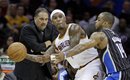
point(37, 37)
point(21, 18)
point(3, 29)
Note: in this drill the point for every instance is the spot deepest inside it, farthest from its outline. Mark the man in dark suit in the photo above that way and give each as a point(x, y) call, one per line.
point(37, 37)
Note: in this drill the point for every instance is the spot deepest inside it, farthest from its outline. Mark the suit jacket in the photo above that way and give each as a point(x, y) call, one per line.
point(34, 40)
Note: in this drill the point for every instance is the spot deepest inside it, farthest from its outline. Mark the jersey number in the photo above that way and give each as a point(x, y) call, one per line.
point(120, 48)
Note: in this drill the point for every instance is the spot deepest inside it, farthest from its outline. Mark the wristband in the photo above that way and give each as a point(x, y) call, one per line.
point(52, 57)
point(65, 55)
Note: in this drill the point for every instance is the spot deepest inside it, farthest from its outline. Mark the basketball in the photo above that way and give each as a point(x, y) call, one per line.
point(17, 51)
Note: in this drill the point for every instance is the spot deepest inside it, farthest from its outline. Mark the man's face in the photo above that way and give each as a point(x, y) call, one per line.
point(99, 22)
point(13, 9)
point(41, 20)
point(20, 10)
point(59, 20)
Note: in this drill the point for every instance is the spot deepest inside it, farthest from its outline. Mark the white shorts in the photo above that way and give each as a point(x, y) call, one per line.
point(91, 71)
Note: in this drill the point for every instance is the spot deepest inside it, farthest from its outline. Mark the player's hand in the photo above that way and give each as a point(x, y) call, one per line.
point(48, 43)
point(57, 58)
point(46, 58)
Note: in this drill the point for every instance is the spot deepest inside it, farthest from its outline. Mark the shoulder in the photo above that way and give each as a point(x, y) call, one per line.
point(29, 28)
point(98, 36)
point(74, 27)
point(26, 28)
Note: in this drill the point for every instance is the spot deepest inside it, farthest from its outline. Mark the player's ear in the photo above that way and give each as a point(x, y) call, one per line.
point(106, 22)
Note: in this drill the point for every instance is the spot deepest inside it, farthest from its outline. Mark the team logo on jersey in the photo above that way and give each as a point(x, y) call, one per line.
point(64, 44)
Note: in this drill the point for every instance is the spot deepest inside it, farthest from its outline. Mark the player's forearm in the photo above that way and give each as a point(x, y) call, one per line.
point(50, 50)
point(74, 51)
point(69, 48)
point(72, 45)
point(79, 48)
point(31, 57)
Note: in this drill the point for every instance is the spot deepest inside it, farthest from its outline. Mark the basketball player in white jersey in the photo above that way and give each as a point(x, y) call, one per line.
point(87, 62)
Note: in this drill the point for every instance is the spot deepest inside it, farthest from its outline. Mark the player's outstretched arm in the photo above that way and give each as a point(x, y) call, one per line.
point(38, 58)
point(96, 40)
point(41, 58)
point(76, 50)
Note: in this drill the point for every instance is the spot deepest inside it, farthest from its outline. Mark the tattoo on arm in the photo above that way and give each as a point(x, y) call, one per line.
point(31, 57)
point(74, 33)
point(102, 38)
point(80, 47)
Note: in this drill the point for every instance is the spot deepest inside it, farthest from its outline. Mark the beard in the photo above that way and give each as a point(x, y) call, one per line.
point(42, 28)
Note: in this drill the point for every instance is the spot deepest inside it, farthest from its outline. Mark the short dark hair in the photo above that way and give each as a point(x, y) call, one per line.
point(38, 10)
point(108, 17)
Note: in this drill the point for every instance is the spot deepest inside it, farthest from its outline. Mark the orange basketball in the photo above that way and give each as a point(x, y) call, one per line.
point(17, 51)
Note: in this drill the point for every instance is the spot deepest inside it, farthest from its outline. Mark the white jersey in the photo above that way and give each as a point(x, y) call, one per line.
point(79, 59)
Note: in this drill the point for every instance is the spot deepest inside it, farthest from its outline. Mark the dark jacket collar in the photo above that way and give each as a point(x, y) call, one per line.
point(33, 23)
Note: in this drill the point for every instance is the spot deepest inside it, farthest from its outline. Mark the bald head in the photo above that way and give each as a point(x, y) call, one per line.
point(104, 20)
point(108, 17)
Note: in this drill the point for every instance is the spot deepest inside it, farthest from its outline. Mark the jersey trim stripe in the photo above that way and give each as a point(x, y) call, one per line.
point(108, 61)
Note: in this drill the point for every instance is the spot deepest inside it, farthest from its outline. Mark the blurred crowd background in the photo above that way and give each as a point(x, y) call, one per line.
point(14, 14)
